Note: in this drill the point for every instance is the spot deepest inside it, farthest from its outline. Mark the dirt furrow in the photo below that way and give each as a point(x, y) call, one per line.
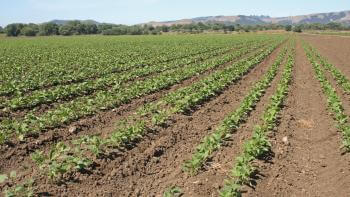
point(157, 159)
point(309, 162)
point(335, 49)
point(211, 179)
point(101, 123)
point(43, 108)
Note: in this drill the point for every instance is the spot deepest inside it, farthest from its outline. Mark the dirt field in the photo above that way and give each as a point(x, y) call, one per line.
point(306, 158)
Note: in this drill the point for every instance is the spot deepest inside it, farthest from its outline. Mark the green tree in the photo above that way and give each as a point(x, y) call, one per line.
point(1, 30)
point(47, 29)
point(334, 26)
point(103, 27)
point(229, 28)
point(28, 31)
point(165, 28)
point(66, 30)
point(297, 29)
point(91, 29)
point(14, 29)
point(288, 28)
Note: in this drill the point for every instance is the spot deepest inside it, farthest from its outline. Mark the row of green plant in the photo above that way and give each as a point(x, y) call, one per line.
point(259, 144)
point(116, 96)
point(70, 91)
point(24, 189)
point(339, 77)
point(140, 125)
point(33, 64)
point(334, 101)
point(230, 124)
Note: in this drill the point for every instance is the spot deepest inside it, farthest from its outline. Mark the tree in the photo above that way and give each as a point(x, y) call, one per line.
point(165, 28)
point(14, 29)
point(238, 27)
point(104, 26)
point(229, 27)
point(91, 28)
point(1, 30)
point(48, 29)
point(297, 29)
point(66, 30)
point(28, 31)
point(334, 26)
point(288, 28)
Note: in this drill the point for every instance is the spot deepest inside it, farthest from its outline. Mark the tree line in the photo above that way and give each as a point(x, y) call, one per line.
point(79, 28)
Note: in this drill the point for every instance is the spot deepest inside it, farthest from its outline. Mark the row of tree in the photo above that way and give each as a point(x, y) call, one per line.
point(79, 28)
point(47, 29)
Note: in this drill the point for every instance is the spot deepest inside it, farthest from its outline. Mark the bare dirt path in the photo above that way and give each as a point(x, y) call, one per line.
point(311, 162)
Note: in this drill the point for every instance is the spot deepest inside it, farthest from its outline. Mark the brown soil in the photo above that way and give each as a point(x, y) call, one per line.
point(101, 123)
point(156, 161)
point(311, 162)
point(43, 108)
point(15, 156)
point(335, 48)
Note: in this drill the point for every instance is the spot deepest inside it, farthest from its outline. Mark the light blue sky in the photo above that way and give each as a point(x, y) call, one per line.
point(139, 11)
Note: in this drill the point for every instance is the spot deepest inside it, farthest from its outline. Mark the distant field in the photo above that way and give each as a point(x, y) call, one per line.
point(336, 33)
point(170, 115)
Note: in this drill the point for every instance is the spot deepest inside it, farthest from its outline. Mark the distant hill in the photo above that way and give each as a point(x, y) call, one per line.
point(63, 22)
point(323, 18)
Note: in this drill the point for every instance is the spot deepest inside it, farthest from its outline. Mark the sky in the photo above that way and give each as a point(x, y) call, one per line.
point(140, 11)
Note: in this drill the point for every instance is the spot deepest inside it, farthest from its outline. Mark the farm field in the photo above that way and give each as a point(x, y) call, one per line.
point(334, 33)
point(175, 115)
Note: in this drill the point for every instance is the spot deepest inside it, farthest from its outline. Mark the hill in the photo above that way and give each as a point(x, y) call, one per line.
point(323, 18)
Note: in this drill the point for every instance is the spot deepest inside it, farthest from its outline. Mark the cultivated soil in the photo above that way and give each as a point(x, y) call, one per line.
point(309, 161)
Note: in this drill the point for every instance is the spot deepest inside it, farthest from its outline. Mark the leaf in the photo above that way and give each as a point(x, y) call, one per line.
point(3, 178)
point(13, 174)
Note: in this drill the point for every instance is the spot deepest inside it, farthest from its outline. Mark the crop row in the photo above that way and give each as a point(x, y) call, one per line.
point(126, 133)
point(60, 92)
point(340, 78)
point(231, 123)
point(259, 144)
point(20, 86)
point(68, 112)
point(334, 102)
point(23, 75)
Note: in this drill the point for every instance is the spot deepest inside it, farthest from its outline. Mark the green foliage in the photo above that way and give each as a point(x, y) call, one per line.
point(334, 101)
point(66, 30)
point(297, 29)
point(47, 29)
point(258, 145)
point(28, 31)
point(24, 189)
point(59, 161)
point(119, 94)
point(173, 192)
point(288, 27)
point(157, 113)
point(13, 29)
point(212, 142)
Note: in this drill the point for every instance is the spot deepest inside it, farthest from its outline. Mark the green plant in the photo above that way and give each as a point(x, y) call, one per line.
point(173, 192)
point(59, 161)
point(258, 145)
point(23, 189)
point(212, 142)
